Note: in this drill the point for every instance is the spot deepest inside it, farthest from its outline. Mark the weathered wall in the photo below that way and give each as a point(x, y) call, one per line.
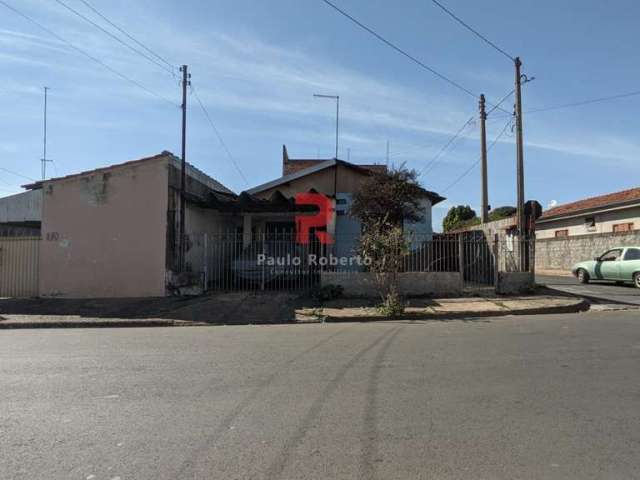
point(510, 283)
point(576, 226)
point(362, 284)
point(563, 253)
point(104, 233)
point(348, 181)
point(23, 207)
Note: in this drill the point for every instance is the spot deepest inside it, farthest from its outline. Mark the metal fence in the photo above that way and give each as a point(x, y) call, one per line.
point(19, 258)
point(276, 261)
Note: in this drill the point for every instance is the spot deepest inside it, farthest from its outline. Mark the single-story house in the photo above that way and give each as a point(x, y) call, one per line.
point(587, 228)
point(113, 231)
point(339, 180)
point(617, 212)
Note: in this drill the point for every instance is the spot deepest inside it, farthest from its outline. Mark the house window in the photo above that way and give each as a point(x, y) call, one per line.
point(590, 223)
point(562, 233)
point(622, 227)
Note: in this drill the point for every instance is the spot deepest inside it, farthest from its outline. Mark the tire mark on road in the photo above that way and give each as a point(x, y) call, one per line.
point(278, 466)
point(370, 452)
point(228, 420)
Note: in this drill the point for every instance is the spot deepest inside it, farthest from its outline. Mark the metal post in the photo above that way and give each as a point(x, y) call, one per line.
point(461, 258)
point(337, 121)
point(483, 150)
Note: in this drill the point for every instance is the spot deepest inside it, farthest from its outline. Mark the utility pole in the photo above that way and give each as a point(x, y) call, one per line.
point(484, 216)
point(44, 159)
point(183, 172)
point(522, 228)
point(519, 150)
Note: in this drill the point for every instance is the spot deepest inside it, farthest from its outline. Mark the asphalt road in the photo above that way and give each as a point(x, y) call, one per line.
point(508, 398)
point(598, 292)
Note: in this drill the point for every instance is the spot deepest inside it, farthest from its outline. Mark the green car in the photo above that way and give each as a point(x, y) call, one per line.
point(621, 264)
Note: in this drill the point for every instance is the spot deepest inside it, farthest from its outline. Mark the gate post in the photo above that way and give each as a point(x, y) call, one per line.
point(461, 258)
point(205, 259)
point(496, 261)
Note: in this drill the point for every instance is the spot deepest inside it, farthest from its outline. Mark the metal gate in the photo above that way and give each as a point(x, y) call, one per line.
point(19, 257)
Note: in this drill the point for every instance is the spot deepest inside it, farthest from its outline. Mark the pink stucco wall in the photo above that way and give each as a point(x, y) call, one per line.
point(104, 233)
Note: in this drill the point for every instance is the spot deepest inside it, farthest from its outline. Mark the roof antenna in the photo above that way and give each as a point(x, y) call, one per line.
point(44, 159)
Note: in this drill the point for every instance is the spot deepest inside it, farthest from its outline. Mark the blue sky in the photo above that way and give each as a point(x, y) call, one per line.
point(256, 65)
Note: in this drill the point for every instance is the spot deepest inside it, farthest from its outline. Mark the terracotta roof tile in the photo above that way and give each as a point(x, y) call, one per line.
point(601, 201)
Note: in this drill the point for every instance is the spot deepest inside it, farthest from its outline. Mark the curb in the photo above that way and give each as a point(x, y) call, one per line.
point(581, 306)
point(9, 325)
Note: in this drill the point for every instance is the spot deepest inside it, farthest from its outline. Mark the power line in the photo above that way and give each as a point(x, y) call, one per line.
point(472, 30)
point(115, 37)
point(475, 164)
point(17, 174)
point(220, 139)
point(124, 32)
point(432, 162)
point(400, 50)
point(584, 102)
point(88, 55)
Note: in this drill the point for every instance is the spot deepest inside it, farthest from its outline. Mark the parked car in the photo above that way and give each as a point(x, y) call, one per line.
point(621, 265)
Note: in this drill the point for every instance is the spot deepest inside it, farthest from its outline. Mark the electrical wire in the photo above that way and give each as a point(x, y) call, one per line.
point(115, 37)
point(472, 30)
point(88, 55)
point(400, 50)
point(467, 171)
point(17, 174)
point(124, 32)
point(433, 161)
point(584, 102)
point(220, 139)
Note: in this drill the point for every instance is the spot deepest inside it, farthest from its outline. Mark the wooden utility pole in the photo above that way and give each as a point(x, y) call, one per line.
point(520, 150)
point(183, 170)
point(484, 216)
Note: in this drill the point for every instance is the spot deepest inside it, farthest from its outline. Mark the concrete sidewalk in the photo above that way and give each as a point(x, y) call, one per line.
point(447, 308)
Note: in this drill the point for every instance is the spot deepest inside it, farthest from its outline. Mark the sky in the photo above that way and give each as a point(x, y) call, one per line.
point(256, 65)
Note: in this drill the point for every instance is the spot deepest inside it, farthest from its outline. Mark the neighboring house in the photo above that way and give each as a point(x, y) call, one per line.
point(338, 180)
point(582, 230)
point(21, 214)
point(612, 213)
point(112, 232)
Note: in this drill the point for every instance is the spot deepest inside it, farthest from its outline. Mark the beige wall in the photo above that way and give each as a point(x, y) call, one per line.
point(604, 223)
point(349, 181)
point(104, 234)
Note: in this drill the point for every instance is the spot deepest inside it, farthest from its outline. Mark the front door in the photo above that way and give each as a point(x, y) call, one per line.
point(608, 267)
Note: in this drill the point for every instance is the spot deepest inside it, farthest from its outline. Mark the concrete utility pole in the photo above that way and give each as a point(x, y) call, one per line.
point(520, 150)
point(484, 216)
point(183, 173)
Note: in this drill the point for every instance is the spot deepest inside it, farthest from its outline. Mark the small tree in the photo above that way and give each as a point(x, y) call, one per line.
point(384, 202)
point(456, 216)
point(386, 246)
point(389, 197)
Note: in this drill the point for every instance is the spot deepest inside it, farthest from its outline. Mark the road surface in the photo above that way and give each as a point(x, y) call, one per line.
point(599, 292)
point(512, 397)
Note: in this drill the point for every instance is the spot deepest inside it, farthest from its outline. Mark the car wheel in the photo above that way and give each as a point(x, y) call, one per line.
point(636, 279)
point(583, 276)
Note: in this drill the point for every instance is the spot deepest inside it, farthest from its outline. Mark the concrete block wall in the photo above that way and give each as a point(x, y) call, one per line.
point(563, 253)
